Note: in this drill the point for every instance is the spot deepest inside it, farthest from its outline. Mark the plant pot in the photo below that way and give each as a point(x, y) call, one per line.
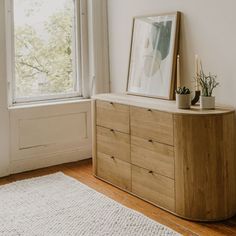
point(183, 101)
point(207, 102)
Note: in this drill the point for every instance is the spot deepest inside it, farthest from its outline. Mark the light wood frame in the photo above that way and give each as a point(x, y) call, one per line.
point(174, 60)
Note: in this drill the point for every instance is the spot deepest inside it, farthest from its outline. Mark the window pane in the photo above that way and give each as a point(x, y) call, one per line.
point(44, 47)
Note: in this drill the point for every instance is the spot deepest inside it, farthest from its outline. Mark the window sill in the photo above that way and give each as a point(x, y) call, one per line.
point(48, 103)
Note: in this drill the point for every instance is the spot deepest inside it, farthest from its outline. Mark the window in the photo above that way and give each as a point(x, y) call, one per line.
point(44, 49)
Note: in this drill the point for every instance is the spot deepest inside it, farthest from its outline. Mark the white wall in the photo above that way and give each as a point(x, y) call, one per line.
point(208, 29)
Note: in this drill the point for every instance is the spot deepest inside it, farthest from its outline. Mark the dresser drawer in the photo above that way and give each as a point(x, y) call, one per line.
point(114, 171)
point(153, 187)
point(151, 124)
point(113, 143)
point(153, 156)
point(112, 115)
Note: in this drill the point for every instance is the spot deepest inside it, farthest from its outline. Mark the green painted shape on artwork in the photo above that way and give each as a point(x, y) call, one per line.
point(163, 30)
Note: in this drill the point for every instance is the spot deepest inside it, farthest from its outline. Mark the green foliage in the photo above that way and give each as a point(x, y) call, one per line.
point(45, 63)
point(207, 82)
point(183, 90)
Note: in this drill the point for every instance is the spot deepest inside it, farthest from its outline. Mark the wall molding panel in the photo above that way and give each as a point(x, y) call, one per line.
point(49, 135)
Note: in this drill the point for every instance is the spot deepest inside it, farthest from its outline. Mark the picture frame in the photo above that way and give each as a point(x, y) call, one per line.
point(153, 56)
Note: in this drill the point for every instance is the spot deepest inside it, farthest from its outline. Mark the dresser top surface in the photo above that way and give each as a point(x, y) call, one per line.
point(159, 104)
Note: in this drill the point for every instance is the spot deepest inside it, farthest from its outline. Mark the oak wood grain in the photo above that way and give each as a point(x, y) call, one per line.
point(113, 143)
point(153, 156)
point(205, 166)
point(151, 124)
point(194, 151)
point(94, 136)
point(114, 171)
point(113, 115)
point(153, 187)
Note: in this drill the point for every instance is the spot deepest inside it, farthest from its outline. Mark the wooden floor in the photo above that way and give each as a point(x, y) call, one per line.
point(82, 171)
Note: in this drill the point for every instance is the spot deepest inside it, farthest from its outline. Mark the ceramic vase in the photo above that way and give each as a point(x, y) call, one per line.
point(183, 101)
point(207, 102)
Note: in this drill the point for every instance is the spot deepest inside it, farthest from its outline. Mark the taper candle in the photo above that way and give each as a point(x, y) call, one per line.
point(178, 71)
point(199, 72)
point(196, 71)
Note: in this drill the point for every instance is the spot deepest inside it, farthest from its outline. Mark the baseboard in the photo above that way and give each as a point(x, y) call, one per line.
point(18, 166)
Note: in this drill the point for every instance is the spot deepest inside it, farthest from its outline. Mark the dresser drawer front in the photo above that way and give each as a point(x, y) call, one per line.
point(113, 143)
point(153, 187)
point(153, 156)
point(114, 171)
point(112, 115)
point(150, 124)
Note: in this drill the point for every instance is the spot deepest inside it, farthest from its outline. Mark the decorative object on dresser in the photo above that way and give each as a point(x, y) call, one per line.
point(196, 97)
point(179, 160)
point(208, 83)
point(152, 69)
point(197, 92)
point(183, 98)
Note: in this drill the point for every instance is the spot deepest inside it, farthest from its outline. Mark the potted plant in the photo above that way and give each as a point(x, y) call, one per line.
point(208, 84)
point(183, 98)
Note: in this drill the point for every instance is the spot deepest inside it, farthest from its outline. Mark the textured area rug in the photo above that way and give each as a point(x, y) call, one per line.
point(59, 205)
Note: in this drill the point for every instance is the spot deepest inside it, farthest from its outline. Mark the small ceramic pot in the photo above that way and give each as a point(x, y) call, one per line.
point(183, 101)
point(207, 102)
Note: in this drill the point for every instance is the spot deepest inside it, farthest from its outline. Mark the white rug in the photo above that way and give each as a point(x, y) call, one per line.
point(59, 205)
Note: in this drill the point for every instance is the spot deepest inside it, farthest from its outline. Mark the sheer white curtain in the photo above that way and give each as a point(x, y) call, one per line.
point(4, 112)
point(99, 81)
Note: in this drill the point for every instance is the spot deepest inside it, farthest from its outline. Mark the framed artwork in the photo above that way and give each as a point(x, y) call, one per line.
point(153, 56)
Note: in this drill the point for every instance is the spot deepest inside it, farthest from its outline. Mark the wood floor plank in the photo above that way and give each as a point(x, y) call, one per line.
point(82, 171)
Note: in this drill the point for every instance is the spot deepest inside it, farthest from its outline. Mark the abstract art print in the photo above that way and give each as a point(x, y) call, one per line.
point(153, 56)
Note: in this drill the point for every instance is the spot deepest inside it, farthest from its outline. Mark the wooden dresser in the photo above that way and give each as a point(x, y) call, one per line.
point(180, 160)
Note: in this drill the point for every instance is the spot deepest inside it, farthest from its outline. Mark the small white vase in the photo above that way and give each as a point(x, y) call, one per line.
point(207, 102)
point(183, 101)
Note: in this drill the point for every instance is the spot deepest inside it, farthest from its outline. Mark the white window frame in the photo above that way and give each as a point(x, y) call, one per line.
point(81, 57)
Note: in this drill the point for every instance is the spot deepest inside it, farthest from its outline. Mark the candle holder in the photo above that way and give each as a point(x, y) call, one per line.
point(196, 97)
